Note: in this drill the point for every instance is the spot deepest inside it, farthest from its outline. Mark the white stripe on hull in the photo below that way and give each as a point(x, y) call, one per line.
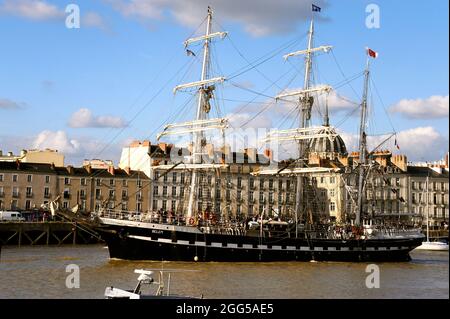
point(259, 247)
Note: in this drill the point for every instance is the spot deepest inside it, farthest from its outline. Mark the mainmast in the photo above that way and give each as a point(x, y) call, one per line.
point(362, 147)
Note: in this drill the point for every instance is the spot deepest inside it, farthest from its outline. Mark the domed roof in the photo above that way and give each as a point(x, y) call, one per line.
point(333, 143)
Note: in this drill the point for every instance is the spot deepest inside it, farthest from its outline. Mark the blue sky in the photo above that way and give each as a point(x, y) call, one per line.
point(88, 91)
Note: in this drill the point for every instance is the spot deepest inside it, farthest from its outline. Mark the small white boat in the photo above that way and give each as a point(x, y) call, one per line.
point(146, 278)
point(433, 245)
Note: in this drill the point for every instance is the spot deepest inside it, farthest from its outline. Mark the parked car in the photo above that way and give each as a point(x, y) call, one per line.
point(11, 216)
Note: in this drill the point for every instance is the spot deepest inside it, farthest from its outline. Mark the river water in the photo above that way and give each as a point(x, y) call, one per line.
point(41, 272)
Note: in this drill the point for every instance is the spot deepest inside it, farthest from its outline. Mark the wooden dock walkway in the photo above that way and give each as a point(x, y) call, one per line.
point(45, 233)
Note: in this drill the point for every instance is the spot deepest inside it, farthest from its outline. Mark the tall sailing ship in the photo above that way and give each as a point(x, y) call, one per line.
point(301, 237)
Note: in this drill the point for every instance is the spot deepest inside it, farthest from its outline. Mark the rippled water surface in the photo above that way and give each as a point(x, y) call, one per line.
point(40, 272)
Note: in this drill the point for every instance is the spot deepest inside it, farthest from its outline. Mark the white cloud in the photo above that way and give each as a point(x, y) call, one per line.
point(84, 118)
point(435, 106)
point(93, 20)
point(31, 9)
point(10, 105)
point(57, 140)
point(419, 144)
point(259, 17)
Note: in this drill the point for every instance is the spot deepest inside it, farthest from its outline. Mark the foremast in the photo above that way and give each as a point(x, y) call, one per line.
point(201, 122)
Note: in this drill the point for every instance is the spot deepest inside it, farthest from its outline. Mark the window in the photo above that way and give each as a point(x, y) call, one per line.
point(164, 204)
point(252, 183)
point(332, 206)
point(261, 196)
point(28, 204)
point(270, 183)
point(164, 190)
point(239, 182)
point(174, 191)
point(66, 181)
point(139, 196)
point(15, 178)
point(29, 178)
point(331, 192)
point(238, 195)
point(182, 177)
point(15, 192)
point(14, 204)
point(1, 191)
point(228, 195)
point(250, 196)
point(124, 194)
point(65, 205)
point(155, 190)
point(82, 193)
point(155, 204)
point(174, 177)
point(111, 182)
point(261, 184)
point(124, 183)
point(165, 178)
point(332, 180)
point(124, 206)
point(47, 179)
point(174, 205)
point(83, 181)
point(98, 193)
point(98, 182)
point(271, 197)
point(322, 180)
point(182, 191)
point(111, 193)
point(1, 177)
point(139, 183)
point(29, 192)
point(66, 193)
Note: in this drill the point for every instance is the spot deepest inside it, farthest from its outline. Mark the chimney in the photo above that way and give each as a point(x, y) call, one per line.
point(127, 170)
point(10, 153)
point(268, 153)
point(163, 147)
point(23, 153)
point(111, 169)
point(70, 169)
point(251, 153)
point(1, 153)
point(88, 168)
point(135, 144)
point(146, 143)
point(400, 161)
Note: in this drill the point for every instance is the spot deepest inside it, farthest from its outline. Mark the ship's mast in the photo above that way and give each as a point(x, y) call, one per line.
point(199, 136)
point(362, 147)
point(305, 116)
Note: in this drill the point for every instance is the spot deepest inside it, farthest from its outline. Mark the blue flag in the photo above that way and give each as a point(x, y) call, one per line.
point(315, 8)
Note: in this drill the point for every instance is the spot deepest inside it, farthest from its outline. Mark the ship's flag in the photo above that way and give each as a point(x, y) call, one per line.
point(396, 144)
point(372, 53)
point(315, 8)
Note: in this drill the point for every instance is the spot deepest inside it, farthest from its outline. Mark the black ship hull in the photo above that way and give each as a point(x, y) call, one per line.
point(171, 244)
